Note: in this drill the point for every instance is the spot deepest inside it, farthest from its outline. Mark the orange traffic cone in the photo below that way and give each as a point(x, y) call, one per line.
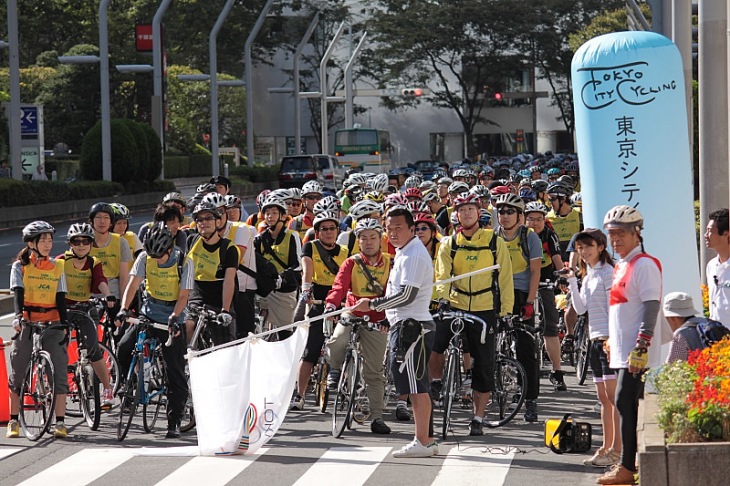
point(4, 390)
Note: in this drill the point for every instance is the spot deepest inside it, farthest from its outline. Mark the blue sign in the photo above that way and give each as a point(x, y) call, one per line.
point(29, 120)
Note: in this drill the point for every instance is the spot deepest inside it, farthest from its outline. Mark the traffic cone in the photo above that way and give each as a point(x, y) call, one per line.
point(4, 389)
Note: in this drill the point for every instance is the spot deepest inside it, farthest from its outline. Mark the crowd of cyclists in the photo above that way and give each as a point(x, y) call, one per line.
point(328, 250)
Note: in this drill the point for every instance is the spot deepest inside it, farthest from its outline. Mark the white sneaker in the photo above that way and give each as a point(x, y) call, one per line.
point(416, 449)
point(434, 447)
point(297, 403)
point(107, 398)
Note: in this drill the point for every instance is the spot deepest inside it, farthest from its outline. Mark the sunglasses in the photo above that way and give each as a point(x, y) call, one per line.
point(295, 204)
point(328, 228)
point(420, 229)
point(204, 219)
point(80, 242)
point(553, 199)
point(508, 211)
point(313, 197)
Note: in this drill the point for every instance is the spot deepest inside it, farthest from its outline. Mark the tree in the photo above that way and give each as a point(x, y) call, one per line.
point(125, 155)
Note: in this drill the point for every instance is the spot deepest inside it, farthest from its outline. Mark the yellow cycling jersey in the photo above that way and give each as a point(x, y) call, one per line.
point(78, 282)
point(474, 293)
point(321, 274)
point(41, 279)
point(162, 283)
point(359, 282)
point(206, 264)
point(110, 256)
point(565, 226)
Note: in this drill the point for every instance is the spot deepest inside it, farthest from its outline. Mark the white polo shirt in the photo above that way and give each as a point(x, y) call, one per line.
point(718, 285)
point(625, 319)
point(412, 266)
point(243, 236)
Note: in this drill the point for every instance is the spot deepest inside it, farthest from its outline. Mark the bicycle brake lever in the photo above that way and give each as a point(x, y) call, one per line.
point(483, 338)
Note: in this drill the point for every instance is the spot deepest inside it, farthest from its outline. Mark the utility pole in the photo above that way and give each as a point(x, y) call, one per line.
point(324, 88)
point(14, 115)
point(158, 102)
point(297, 92)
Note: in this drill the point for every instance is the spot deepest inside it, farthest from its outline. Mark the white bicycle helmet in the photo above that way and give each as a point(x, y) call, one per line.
point(275, 201)
point(205, 188)
point(368, 224)
point(284, 194)
point(295, 193)
point(379, 183)
point(327, 204)
point(357, 179)
point(511, 200)
point(174, 197)
point(120, 211)
point(536, 207)
point(311, 187)
point(430, 196)
point(83, 230)
point(412, 182)
point(326, 216)
point(364, 208)
point(458, 187)
point(215, 199)
point(460, 173)
point(480, 191)
point(619, 216)
point(35, 229)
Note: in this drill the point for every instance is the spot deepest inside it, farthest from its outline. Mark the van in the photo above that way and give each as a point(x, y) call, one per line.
point(297, 169)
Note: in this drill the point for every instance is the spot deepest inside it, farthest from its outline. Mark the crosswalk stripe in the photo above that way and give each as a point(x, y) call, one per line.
point(81, 468)
point(356, 464)
point(474, 466)
point(9, 452)
point(210, 471)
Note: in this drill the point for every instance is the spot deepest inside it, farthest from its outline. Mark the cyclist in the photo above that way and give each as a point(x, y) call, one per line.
point(84, 277)
point(179, 201)
point(222, 184)
point(364, 209)
point(565, 219)
point(634, 302)
point(234, 208)
point(525, 250)
point(321, 260)
point(535, 214)
point(283, 248)
point(311, 194)
point(328, 204)
point(38, 283)
point(295, 204)
point(258, 217)
point(442, 188)
point(168, 213)
point(121, 227)
point(488, 295)
point(112, 250)
point(168, 279)
point(215, 261)
point(596, 267)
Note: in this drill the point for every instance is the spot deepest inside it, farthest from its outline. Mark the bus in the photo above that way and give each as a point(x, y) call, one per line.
point(365, 148)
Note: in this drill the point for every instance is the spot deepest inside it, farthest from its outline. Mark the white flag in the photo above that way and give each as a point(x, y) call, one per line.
point(241, 393)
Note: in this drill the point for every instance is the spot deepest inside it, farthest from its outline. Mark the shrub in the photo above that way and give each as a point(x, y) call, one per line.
point(141, 187)
point(257, 173)
point(155, 150)
point(65, 168)
point(94, 189)
point(143, 149)
point(176, 166)
point(200, 165)
point(14, 193)
point(27, 193)
point(125, 155)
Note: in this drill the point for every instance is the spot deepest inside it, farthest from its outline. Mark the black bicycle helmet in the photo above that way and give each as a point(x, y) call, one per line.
point(35, 229)
point(101, 207)
point(158, 240)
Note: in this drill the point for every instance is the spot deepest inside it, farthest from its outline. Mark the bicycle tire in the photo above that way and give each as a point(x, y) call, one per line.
point(73, 402)
point(156, 397)
point(89, 395)
point(37, 397)
point(508, 396)
point(345, 397)
point(129, 399)
point(188, 418)
point(584, 352)
point(321, 392)
point(112, 364)
point(579, 330)
point(448, 392)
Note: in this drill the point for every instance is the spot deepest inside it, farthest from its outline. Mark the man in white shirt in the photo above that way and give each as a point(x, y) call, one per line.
point(406, 305)
point(717, 237)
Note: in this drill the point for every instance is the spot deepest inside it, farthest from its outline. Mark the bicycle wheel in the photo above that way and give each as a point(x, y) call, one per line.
point(157, 395)
point(448, 392)
point(112, 364)
point(89, 397)
point(508, 396)
point(188, 419)
point(321, 392)
point(129, 399)
point(583, 345)
point(37, 397)
point(73, 402)
point(345, 398)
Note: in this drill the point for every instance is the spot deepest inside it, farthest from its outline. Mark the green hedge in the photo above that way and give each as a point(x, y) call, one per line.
point(257, 173)
point(200, 165)
point(176, 166)
point(142, 187)
point(65, 168)
point(28, 193)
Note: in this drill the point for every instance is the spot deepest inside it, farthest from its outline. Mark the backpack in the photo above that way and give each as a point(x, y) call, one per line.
point(711, 332)
point(265, 274)
point(496, 296)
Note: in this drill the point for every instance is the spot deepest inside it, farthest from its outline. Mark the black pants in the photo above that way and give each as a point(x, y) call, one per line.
point(629, 389)
point(174, 356)
point(243, 302)
point(526, 352)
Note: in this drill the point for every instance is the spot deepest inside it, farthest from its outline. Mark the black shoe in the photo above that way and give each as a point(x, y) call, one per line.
point(435, 390)
point(556, 378)
point(402, 414)
point(531, 411)
point(566, 347)
point(173, 431)
point(476, 427)
point(377, 426)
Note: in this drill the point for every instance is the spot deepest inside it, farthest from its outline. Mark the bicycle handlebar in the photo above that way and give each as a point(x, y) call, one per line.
point(155, 325)
point(454, 315)
point(514, 322)
point(44, 325)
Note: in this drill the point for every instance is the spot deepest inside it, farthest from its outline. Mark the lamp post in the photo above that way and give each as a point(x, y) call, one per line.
point(106, 121)
point(297, 96)
point(324, 88)
point(158, 112)
point(213, 42)
point(14, 116)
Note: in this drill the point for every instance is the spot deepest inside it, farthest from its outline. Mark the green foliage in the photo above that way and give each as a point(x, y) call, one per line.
point(176, 166)
point(257, 173)
point(94, 189)
point(142, 187)
point(155, 152)
point(143, 150)
point(673, 383)
point(64, 168)
point(15, 193)
point(604, 23)
point(125, 155)
point(200, 165)
point(201, 150)
point(90, 159)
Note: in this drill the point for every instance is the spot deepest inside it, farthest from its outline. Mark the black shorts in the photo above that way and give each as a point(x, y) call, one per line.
point(411, 376)
point(315, 338)
point(550, 316)
point(599, 363)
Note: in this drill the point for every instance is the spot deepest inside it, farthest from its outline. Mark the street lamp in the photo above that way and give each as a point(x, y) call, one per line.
point(134, 68)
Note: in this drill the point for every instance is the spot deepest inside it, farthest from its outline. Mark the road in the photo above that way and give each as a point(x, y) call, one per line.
point(304, 452)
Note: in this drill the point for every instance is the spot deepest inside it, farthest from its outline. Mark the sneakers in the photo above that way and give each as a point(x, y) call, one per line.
point(297, 403)
point(13, 429)
point(416, 449)
point(107, 398)
point(173, 430)
point(60, 431)
point(476, 427)
point(333, 379)
point(530, 411)
point(556, 378)
point(435, 390)
point(566, 347)
point(617, 475)
point(402, 414)
point(603, 458)
point(378, 426)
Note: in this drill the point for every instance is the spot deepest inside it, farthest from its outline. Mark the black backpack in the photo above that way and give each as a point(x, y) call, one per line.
point(265, 275)
point(711, 332)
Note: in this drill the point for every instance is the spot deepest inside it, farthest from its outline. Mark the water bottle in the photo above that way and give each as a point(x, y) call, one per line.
point(147, 369)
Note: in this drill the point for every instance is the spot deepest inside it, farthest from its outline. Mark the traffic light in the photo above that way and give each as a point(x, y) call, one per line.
point(498, 96)
point(412, 92)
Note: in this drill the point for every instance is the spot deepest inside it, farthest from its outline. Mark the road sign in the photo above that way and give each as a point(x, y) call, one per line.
point(29, 120)
point(30, 157)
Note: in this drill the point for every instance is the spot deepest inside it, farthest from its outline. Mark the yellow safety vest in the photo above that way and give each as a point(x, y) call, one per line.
point(40, 283)
point(359, 282)
point(162, 283)
point(206, 263)
point(281, 250)
point(322, 274)
point(565, 226)
point(129, 236)
point(110, 256)
point(77, 281)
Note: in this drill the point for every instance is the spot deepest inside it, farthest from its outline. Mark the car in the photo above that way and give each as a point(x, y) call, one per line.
point(426, 167)
point(297, 169)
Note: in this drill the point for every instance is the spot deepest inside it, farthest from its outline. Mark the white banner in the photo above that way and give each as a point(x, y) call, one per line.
point(241, 393)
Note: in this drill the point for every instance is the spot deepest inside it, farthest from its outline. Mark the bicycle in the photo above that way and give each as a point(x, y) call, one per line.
point(146, 379)
point(581, 348)
point(38, 388)
point(351, 401)
point(539, 323)
point(321, 369)
point(452, 377)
